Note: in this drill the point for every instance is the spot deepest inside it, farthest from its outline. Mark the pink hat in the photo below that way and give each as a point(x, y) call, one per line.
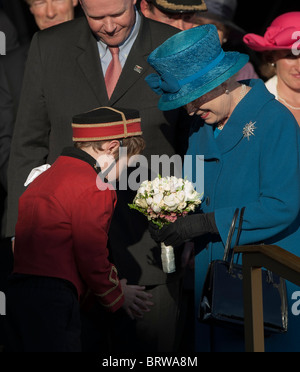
point(279, 35)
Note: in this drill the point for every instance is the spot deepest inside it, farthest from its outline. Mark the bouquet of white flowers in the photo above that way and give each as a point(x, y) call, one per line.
point(162, 201)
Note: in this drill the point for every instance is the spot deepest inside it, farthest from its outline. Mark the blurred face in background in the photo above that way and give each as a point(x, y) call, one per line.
point(182, 21)
point(110, 20)
point(223, 31)
point(48, 13)
point(287, 69)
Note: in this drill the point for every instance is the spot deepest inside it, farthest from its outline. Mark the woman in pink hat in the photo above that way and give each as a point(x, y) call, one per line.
point(281, 54)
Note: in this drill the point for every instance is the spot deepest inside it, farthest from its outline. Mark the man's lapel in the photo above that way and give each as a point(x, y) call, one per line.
point(136, 66)
point(89, 62)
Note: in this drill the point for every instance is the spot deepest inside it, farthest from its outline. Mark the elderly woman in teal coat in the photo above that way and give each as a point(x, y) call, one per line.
point(251, 148)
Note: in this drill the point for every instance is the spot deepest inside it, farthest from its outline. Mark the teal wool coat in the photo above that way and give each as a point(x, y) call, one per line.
point(258, 170)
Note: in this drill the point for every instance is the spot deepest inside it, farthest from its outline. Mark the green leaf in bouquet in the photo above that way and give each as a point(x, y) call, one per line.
point(158, 223)
point(134, 206)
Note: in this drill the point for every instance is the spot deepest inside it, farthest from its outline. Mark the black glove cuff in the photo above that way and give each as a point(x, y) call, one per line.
point(211, 223)
point(198, 224)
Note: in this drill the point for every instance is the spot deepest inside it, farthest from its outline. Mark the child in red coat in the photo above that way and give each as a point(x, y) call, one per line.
point(61, 238)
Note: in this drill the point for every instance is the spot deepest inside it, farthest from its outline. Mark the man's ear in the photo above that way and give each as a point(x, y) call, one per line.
point(144, 6)
point(31, 11)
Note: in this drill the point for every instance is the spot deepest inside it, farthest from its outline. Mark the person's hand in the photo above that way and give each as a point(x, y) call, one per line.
point(184, 229)
point(169, 234)
point(137, 301)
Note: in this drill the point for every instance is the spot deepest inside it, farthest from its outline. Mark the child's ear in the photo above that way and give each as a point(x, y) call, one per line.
point(113, 147)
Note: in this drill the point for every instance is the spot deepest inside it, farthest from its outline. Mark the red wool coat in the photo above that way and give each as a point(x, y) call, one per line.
point(63, 225)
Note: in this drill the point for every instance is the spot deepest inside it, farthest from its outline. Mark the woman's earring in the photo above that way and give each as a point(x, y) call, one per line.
point(273, 64)
point(226, 91)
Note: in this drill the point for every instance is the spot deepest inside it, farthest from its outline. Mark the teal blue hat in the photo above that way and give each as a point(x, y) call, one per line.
point(191, 64)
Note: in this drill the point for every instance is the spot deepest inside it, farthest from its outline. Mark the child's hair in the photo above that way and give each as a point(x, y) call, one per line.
point(135, 145)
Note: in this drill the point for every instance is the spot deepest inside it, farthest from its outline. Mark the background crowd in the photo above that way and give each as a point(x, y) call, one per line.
point(161, 329)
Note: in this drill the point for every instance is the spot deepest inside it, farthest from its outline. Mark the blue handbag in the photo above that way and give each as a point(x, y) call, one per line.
point(222, 296)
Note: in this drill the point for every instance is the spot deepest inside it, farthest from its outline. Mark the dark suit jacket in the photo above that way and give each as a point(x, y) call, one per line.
point(11, 76)
point(9, 30)
point(63, 78)
point(6, 124)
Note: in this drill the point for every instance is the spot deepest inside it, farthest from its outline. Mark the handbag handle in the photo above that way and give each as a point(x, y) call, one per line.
point(237, 237)
point(231, 232)
point(240, 227)
point(230, 235)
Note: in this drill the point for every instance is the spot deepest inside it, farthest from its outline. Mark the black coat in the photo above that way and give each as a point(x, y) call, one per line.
point(12, 67)
point(63, 78)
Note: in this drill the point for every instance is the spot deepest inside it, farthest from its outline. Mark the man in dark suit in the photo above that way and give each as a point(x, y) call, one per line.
point(6, 127)
point(9, 84)
point(6, 130)
point(65, 76)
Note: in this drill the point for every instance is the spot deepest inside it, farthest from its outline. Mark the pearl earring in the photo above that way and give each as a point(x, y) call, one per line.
point(226, 91)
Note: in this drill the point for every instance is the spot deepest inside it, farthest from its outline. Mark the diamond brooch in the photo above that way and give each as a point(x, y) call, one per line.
point(249, 129)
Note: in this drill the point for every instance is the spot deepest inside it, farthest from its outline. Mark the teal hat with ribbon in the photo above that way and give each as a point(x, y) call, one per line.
point(191, 64)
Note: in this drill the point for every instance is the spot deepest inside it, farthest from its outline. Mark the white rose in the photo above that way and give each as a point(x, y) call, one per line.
point(180, 195)
point(165, 184)
point(141, 190)
point(171, 202)
point(182, 206)
point(149, 201)
point(176, 184)
point(156, 185)
point(148, 186)
point(145, 186)
point(190, 193)
point(157, 202)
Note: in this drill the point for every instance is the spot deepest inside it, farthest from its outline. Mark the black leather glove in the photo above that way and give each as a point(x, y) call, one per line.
point(184, 229)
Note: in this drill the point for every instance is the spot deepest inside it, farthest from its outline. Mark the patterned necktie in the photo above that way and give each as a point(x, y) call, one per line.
point(113, 71)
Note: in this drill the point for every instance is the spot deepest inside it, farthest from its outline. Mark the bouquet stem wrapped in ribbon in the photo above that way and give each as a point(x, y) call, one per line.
point(168, 259)
point(162, 201)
